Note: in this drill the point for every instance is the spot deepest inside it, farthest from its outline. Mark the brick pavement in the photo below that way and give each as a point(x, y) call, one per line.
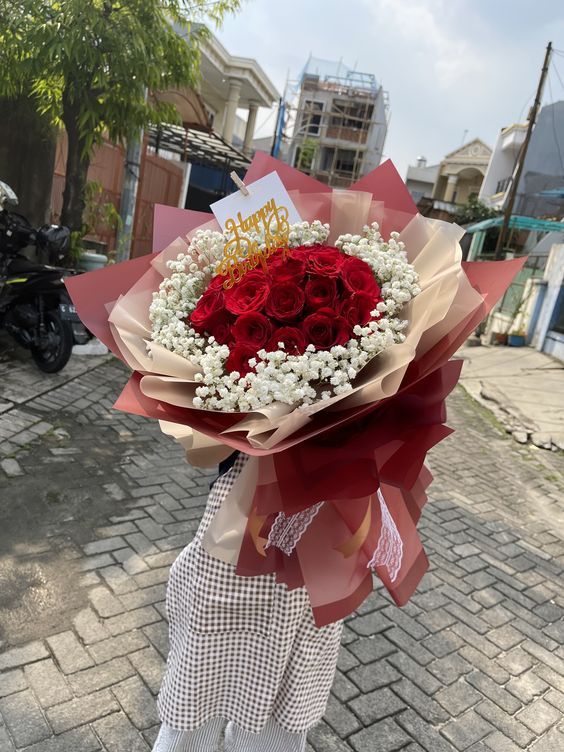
point(474, 662)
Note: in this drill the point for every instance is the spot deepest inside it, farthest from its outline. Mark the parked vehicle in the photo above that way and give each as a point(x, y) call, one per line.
point(35, 308)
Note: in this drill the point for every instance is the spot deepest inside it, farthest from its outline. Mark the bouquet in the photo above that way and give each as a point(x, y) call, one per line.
point(314, 333)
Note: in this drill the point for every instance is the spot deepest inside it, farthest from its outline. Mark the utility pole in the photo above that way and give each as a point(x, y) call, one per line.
point(131, 175)
point(521, 158)
point(274, 149)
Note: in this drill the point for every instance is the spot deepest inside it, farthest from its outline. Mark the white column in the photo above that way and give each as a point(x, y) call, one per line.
point(250, 129)
point(187, 167)
point(451, 188)
point(231, 109)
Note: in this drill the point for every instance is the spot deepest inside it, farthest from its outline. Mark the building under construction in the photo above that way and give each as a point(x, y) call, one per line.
point(340, 120)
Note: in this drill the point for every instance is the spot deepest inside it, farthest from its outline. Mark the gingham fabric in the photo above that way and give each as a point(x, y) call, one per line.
point(207, 738)
point(242, 648)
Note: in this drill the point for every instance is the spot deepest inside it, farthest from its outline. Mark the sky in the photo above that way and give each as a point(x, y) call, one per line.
point(455, 70)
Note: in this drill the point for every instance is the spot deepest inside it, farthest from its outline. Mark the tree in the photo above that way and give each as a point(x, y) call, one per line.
point(474, 211)
point(88, 64)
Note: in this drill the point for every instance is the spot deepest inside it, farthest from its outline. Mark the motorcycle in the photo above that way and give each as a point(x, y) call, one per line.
point(35, 308)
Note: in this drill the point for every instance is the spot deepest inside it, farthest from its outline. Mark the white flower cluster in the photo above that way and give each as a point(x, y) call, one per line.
point(297, 380)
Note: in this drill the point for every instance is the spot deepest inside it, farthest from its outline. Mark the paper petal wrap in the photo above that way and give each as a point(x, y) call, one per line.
point(361, 454)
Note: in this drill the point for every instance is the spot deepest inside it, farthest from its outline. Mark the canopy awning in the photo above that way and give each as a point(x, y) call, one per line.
point(517, 222)
point(197, 146)
point(552, 192)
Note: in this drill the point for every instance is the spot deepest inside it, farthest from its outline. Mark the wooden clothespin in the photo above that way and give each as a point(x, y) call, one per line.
point(239, 183)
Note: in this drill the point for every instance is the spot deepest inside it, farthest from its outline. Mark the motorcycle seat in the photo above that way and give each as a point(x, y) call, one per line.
point(23, 265)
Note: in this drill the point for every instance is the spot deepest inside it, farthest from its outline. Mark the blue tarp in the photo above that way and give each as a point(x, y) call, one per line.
point(518, 223)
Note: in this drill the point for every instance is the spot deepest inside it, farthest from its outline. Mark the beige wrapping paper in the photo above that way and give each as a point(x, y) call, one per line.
point(224, 535)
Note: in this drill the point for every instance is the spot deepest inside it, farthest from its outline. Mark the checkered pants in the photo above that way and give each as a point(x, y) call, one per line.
point(208, 737)
point(245, 649)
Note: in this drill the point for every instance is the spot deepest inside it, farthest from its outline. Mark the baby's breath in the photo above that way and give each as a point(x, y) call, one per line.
point(297, 380)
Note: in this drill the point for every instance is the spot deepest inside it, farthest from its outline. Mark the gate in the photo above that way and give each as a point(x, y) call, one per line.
point(160, 183)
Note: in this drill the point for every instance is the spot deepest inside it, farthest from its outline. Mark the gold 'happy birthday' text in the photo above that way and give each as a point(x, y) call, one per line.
point(243, 253)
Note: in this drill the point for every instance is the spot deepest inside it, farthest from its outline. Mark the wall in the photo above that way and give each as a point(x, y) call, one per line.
point(544, 339)
point(418, 189)
point(543, 166)
point(502, 164)
point(554, 345)
point(465, 188)
point(520, 319)
point(376, 136)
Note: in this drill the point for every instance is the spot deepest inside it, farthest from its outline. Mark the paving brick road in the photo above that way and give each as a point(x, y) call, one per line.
point(95, 506)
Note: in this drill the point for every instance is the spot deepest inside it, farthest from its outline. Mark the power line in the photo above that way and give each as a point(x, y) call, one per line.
point(265, 121)
point(525, 105)
point(557, 74)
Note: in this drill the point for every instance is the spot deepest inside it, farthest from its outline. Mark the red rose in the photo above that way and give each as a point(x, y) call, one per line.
point(301, 252)
point(238, 359)
point(285, 301)
point(220, 325)
point(320, 292)
point(357, 308)
point(357, 276)
point(216, 283)
point(290, 269)
point(325, 261)
point(252, 329)
point(325, 329)
point(210, 303)
point(247, 295)
point(292, 339)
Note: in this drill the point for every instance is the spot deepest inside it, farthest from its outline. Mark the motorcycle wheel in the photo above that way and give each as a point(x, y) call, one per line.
point(56, 356)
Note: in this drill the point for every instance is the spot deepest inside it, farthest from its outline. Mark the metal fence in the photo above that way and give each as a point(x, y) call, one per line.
point(513, 300)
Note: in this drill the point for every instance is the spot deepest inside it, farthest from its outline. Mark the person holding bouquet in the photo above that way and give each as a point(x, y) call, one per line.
point(323, 358)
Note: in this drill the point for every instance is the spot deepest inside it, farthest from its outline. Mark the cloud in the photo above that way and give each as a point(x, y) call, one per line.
point(426, 27)
point(450, 66)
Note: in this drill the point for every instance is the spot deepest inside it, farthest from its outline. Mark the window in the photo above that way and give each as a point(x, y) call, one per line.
point(342, 162)
point(502, 185)
point(310, 124)
point(345, 160)
point(355, 115)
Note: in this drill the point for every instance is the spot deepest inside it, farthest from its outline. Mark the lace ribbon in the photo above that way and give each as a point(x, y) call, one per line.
point(389, 551)
point(286, 532)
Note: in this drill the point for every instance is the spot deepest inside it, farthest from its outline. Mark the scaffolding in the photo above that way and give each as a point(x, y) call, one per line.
point(332, 116)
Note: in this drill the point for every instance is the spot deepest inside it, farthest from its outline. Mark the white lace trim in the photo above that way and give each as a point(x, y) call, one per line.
point(286, 532)
point(389, 551)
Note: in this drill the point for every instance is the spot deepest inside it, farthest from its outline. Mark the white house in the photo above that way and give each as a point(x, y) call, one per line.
point(502, 164)
point(420, 179)
point(214, 139)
